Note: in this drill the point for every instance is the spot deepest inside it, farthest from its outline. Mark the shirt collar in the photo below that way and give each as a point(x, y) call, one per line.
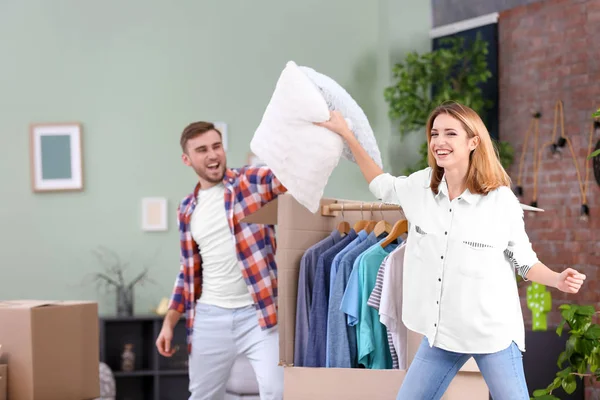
point(362, 235)
point(228, 179)
point(471, 198)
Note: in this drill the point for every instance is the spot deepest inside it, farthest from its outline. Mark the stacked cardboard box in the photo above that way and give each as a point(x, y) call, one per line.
point(51, 349)
point(3, 378)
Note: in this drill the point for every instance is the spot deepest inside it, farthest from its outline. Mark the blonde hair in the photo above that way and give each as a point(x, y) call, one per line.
point(485, 171)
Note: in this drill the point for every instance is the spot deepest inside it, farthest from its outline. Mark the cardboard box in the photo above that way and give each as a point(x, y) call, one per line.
point(51, 349)
point(297, 230)
point(3, 380)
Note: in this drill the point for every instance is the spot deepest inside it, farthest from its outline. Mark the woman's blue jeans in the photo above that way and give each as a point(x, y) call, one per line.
point(432, 370)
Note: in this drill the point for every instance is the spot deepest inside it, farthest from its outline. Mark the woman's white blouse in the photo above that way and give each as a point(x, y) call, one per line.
point(460, 286)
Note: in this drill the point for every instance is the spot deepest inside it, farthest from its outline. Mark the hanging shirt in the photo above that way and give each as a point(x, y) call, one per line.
point(361, 236)
point(306, 276)
point(317, 332)
point(386, 297)
point(341, 345)
point(459, 273)
point(351, 300)
point(373, 348)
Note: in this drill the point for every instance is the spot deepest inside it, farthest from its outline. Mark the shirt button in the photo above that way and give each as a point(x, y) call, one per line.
point(442, 257)
point(445, 233)
point(440, 279)
point(450, 210)
point(437, 302)
point(435, 325)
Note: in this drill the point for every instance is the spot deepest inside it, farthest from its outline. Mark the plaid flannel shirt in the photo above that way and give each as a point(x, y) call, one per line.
point(246, 190)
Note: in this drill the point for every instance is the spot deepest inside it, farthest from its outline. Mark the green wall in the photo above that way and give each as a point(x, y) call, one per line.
point(134, 74)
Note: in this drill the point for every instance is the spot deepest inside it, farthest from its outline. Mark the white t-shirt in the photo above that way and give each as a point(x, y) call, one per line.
point(222, 282)
point(390, 307)
point(459, 283)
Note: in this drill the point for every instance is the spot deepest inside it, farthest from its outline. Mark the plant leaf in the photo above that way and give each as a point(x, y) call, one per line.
point(564, 373)
point(562, 358)
point(585, 310)
point(593, 332)
point(594, 154)
point(569, 384)
point(561, 326)
point(585, 346)
point(568, 314)
point(570, 347)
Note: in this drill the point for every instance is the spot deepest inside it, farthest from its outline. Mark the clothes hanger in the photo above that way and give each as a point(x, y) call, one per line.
point(370, 223)
point(360, 225)
point(382, 226)
point(399, 228)
point(343, 226)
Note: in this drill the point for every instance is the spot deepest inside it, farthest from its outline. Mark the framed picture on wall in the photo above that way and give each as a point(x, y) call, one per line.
point(56, 157)
point(154, 214)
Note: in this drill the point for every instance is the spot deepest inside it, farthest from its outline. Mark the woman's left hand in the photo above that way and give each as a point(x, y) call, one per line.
point(570, 281)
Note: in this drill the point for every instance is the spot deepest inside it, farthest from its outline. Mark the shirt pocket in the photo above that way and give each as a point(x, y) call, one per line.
point(420, 237)
point(477, 257)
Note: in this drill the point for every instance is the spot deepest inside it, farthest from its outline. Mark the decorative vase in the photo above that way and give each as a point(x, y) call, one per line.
point(128, 358)
point(124, 302)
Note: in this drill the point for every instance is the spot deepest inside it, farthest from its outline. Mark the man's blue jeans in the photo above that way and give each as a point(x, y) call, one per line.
point(432, 370)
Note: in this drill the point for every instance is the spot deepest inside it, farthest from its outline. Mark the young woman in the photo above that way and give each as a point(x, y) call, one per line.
point(467, 237)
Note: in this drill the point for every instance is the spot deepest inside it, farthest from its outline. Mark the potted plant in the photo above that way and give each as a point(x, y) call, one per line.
point(424, 81)
point(113, 277)
point(582, 351)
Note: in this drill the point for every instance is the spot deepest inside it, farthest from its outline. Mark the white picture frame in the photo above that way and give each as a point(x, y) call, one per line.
point(222, 127)
point(154, 214)
point(56, 157)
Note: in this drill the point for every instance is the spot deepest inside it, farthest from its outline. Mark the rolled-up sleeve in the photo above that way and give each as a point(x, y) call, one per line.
point(519, 249)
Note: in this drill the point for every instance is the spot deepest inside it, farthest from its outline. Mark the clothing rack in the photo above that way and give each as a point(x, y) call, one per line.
point(332, 210)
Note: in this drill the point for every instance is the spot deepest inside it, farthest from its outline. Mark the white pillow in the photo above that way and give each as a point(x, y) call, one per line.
point(338, 98)
point(301, 154)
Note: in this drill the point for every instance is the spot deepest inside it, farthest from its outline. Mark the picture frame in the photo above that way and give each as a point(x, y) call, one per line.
point(56, 157)
point(222, 127)
point(154, 214)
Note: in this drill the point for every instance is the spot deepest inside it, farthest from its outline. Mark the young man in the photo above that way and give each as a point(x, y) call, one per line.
point(227, 285)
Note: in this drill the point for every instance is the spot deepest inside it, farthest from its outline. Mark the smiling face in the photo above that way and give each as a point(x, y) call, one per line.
point(450, 143)
point(205, 154)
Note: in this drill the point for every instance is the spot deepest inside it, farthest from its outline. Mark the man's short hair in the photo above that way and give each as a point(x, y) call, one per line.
point(196, 129)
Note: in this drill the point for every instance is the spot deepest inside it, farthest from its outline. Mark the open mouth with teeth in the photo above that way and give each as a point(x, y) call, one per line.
point(442, 153)
point(213, 167)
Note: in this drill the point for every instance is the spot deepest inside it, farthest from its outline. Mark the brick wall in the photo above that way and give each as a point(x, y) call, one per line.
point(451, 11)
point(550, 51)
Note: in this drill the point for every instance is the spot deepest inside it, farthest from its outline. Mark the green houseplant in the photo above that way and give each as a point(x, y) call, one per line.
point(582, 351)
point(597, 152)
point(423, 81)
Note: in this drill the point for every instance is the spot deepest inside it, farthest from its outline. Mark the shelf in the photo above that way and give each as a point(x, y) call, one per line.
point(154, 377)
point(128, 374)
point(173, 372)
point(140, 317)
